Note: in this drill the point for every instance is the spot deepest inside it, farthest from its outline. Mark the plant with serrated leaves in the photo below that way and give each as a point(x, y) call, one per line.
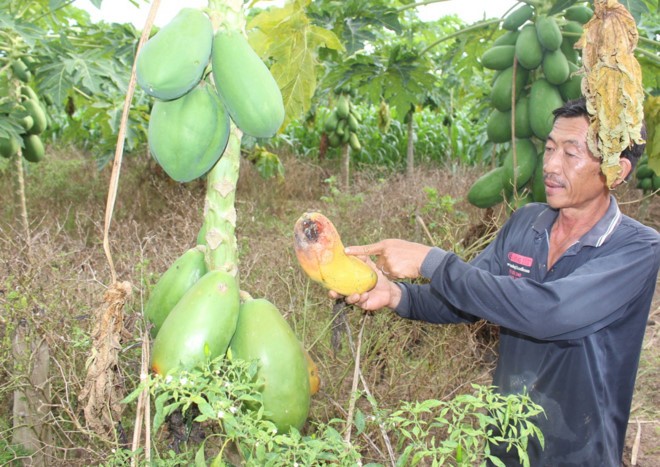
point(224, 394)
point(462, 430)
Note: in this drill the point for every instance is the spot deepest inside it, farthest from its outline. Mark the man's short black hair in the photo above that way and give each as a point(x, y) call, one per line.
point(578, 108)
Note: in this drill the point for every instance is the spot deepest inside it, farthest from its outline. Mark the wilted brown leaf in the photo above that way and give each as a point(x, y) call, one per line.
point(612, 84)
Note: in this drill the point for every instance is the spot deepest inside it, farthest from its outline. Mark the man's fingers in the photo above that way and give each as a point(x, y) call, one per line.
point(364, 250)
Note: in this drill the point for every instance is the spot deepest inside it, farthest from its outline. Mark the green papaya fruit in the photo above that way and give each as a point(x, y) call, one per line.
point(332, 121)
point(354, 142)
point(555, 67)
point(246, 85)
point(39, 121)
point(548, 32)
point(517, 17)
point(498, 127)
point(644, 171)
point(21, 70)
point(646, 184)
point(538, 183)
point(200, 326)
point(262, 334)
point(33, 148)
point(499, 57)
point(543, 99)
point(572, 88)
point(184, 272)
point(572, 31)
point(508, 38)
point(522, 126)
point(567, 49)
point(488, 190)
point(528, 48)
point(334, 139)
point(172, 62)
point(526, 157)
point(501, 92)
point(655, 185)
point(27, 122)
point(579, 13)
point(343, 106)
point(188, 135)
point(9, 146)
point(28, 93)
point(352, 123)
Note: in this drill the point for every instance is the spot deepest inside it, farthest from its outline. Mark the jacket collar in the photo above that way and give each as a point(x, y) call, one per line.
point(598, 234)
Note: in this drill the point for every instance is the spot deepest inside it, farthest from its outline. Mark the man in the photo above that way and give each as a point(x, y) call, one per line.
point(570, 283)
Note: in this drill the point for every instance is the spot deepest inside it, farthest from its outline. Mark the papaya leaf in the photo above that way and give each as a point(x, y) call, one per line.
point(560, 5)
point(636, 8)
point(287, 39)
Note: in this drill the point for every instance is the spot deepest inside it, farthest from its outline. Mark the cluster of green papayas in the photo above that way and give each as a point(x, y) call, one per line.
point(201, 79)
point(344, 121)
point(538, 50)
point(647, 180)
point(197, 315)
point(32, 116)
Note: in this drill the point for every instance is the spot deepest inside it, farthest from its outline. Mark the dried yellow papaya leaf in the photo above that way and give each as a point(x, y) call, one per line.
point(612, 85)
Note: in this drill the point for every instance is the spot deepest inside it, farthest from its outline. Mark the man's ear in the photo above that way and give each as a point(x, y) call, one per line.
point(626, 167)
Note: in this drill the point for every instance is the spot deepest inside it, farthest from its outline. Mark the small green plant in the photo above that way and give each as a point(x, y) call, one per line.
point(225, 396)
point(338, 197)
point(461, 431)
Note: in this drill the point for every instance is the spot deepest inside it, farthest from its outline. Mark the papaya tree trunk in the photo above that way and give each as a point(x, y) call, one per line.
point(219, 208)
point(345, 166)
point(410, 150)
point(219, 225)
point(32, 397)
point(20, 197)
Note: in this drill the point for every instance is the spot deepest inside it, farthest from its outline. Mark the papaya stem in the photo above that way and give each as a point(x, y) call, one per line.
point(219, 210)
point(20, 199)
point(474, 27)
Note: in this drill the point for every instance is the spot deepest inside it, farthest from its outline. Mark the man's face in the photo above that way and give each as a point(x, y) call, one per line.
point(572, 174)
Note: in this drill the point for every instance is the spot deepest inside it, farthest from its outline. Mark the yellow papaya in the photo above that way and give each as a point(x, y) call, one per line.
point(246, 85)
point(200, 326)
point(262, 334)
point(172, 62)
point(188, 135)
point(320, 252)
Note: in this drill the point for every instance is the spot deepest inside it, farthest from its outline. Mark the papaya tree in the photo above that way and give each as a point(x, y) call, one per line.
point(211, 89)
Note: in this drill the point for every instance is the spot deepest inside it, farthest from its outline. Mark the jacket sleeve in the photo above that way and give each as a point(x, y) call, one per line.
point(591, 297)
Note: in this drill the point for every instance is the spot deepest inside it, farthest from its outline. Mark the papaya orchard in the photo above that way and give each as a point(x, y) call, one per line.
point(190, 236)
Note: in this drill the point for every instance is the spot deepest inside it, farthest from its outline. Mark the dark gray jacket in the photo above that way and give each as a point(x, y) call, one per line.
point(570, 336)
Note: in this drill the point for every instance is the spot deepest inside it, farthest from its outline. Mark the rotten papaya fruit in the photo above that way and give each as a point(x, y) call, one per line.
point(321, 255)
